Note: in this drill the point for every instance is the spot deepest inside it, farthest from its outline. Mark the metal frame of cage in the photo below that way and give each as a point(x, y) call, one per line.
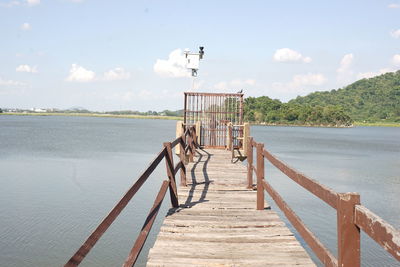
point(214, 111)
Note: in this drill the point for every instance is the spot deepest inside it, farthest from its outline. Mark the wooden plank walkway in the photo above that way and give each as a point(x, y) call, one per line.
point(217, 223)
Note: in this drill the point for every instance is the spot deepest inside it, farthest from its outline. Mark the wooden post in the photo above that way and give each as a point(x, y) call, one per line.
point(246, 134)
point(179, 131)
point(171, 175)
point(228, 136)
point(348, 232)
point(249, 153)
point(194, 140)
point(260, 176)
point(182, 157)
point(191, 146)
point(198, 133)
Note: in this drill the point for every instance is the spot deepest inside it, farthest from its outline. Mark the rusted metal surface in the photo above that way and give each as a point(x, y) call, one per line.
point(260, 177)
point(169, 162)
point(319, 190)
point(250, 164)
point(214, 111)
point(348, 232)
point(237, 136)
point(319, 249)
point(379, 230)
point(141, 239)
point(77, 258)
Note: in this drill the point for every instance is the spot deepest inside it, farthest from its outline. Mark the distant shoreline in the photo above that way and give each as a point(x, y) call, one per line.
point(157, 117)
point(152, 117)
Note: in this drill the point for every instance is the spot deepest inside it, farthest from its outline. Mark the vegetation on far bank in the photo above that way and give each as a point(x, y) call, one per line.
point(374, 100)
point(369, 102)
point(377, 124)
point(264, 110)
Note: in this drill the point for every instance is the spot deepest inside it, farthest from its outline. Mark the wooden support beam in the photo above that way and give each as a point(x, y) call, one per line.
point(348, 232)
point(260, 176)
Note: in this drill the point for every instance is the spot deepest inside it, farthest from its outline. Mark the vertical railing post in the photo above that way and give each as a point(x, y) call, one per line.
point(230, 136)
point(249, 153)
point(191, 146)
point(171, 175)
point(246, 134)
point(348, 232)
point(183, 160)
point(179, 131)
point(260, 176)
point(194, 139)
point(198, 133)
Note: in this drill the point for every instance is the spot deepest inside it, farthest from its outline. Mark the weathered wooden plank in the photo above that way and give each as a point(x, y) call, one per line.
point(217, 223)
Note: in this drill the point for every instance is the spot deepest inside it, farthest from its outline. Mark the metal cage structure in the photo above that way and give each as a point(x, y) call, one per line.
point(214, 111)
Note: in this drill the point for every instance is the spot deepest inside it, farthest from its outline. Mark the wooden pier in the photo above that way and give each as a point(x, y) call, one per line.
point(217, 223)
point(218, 219)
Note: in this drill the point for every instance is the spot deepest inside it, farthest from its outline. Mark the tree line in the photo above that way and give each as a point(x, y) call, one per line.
point(272, 111)
point(368, 100)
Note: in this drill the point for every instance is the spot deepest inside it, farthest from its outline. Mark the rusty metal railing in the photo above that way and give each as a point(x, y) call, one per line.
point(188, 144)
point(351, 215)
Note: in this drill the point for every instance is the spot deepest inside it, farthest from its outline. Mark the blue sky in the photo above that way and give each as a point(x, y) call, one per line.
point(111, 55)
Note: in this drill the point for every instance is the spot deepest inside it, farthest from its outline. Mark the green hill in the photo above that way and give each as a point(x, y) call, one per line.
point(375, 99)
point(368, 100)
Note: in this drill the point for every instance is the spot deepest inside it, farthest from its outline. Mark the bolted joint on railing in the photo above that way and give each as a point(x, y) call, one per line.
point(348, 231)
point(249, 162)
point(260, 177)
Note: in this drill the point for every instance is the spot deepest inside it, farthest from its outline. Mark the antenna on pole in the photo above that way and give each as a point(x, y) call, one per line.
point(192, 61)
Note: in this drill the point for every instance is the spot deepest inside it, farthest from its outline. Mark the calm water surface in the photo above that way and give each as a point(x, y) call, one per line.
point(59, 176)
point(361, 159)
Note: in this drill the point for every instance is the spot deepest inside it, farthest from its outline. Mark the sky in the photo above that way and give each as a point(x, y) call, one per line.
point(128, 55)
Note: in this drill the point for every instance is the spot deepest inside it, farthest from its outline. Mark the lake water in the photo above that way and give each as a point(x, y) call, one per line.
point(59, 176)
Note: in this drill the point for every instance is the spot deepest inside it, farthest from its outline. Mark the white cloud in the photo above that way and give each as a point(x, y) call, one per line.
point(26, 68)
point(174, 66)
point(394, 5)
point(33, 2)
point(396, 60)
point(221, 86)
point(300, 84)
point(241, 83)
point(395, 33)
point(11, 3)
point(345, 72)
point(308, 79)
point(21, 3)
point(80, 74)
point(234, 85)
point(117, 74)
point(10, 83)
point(371, 74)
point(289, 55)
point(26, 26)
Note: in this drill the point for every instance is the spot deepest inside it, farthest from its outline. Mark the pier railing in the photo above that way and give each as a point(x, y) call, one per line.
point(188, 144)
point(351, 215)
